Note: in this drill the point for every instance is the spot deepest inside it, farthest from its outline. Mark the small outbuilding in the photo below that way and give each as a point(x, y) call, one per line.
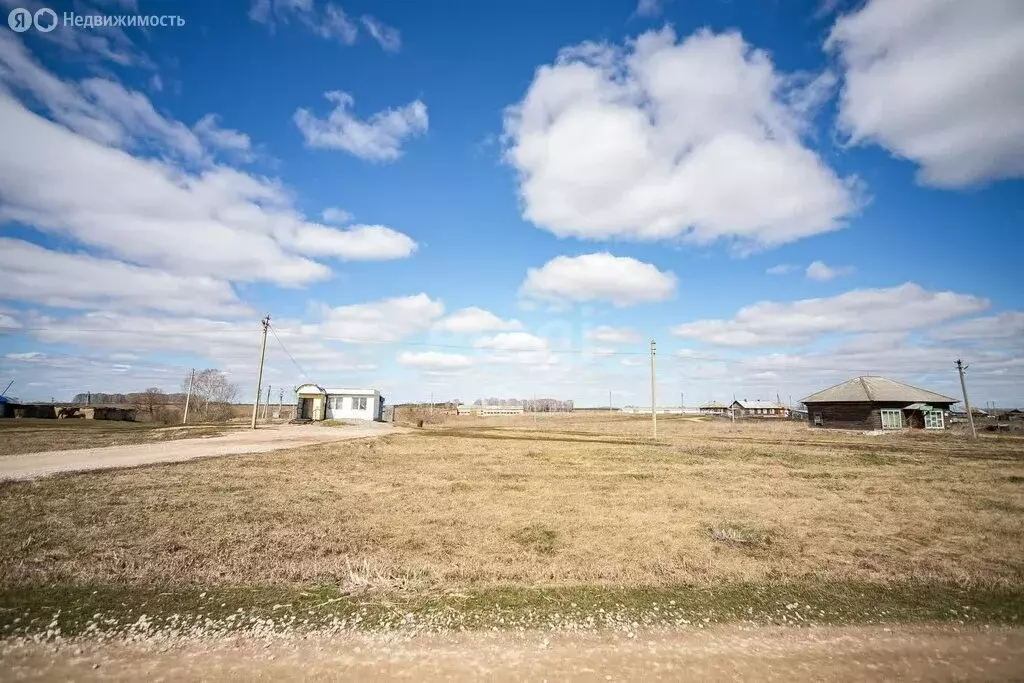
point(314, 402)
point(747, 408)
point(872, 403)
point(714, 408)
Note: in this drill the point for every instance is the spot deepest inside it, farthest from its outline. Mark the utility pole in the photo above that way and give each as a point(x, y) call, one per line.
point(280, 403)
point(682, 403)
point(960, 367)
point(188, 396)
point(610, 401)
point(654, 399)
point(266, 404)
point(259, 374)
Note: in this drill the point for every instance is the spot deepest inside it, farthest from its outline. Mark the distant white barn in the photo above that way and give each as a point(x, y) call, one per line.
point(314, 402)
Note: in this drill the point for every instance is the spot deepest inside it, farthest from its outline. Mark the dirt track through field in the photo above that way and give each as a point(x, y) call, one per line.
point(266, 438)
point(896, 652)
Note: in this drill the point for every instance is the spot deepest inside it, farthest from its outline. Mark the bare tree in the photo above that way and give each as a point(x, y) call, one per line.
point(149, 401)
point(212, 395)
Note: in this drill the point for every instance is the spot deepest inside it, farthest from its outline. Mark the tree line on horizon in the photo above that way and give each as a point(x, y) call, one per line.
point(212, 396)
point(529, 405)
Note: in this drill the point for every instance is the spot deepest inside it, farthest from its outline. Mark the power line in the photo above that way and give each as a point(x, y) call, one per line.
point(767, 366)
point(281, 344)
point(120, 330)
point(349, 340)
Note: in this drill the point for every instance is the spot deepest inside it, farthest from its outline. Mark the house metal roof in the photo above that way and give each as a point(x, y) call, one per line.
point(750, 405)
point(875, 390)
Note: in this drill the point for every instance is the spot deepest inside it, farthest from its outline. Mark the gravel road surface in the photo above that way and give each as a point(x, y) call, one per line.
point(897, 652)
point(266, 438)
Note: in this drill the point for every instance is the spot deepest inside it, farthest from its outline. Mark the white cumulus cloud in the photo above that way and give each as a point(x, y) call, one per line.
point(473, 319)
point(326, 20)
point(937, 82)
point(613, 335)
point(388, 37)
point(906, 307)
point(512, 341)
point(822, 272)
point(355, 243)
point(1007, 325)
point(333, 214)
point(58, 279)
point(386, 320)
point(434, 360)
point(82, 176)
point(663, 139)
point(378, 138)
point(210, 131)
point(621, 280)
point(648, 8)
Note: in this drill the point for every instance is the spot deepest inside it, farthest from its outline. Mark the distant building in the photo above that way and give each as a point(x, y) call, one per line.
point(465, 409)
point(877, 403)
point(747, 408)
point(313, 402)
point(714, 408)
point(669, 410)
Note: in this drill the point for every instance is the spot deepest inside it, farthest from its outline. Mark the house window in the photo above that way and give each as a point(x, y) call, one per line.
point(933, 420)
point(817, 420)
point(892, 419)
point(358, 403)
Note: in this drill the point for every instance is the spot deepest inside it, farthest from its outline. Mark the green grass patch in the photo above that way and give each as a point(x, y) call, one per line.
point(537, 537)
point(35, 610)
point(338, 423)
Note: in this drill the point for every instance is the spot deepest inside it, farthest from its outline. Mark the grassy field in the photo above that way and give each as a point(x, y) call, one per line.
point(562, 504)
point(35, 436)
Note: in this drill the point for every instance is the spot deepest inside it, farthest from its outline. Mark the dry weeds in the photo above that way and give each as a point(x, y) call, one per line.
point(564, 501)
point(35, 436)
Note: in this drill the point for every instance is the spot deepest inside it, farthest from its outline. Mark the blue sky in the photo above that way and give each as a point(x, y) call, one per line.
point(471, 199)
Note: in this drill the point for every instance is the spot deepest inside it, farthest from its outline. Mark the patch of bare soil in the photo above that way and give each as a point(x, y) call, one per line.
point(922, 652)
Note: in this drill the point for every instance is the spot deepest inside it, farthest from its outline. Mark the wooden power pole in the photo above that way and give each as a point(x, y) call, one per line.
point(960, 367)
point(188, 396)
point(259, 374)
point(654, 399)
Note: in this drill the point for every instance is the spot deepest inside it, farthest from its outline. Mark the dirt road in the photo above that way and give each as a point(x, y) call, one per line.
point(919, 652)
point(266, 438)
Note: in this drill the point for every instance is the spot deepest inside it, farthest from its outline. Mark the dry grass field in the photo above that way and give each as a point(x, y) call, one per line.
point(529, 520)
point(35, 436)
point(559, 500)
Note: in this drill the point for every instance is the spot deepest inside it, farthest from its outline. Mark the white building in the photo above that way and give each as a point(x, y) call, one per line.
point(465, 409)
point(313, 402)
point(669, 410)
